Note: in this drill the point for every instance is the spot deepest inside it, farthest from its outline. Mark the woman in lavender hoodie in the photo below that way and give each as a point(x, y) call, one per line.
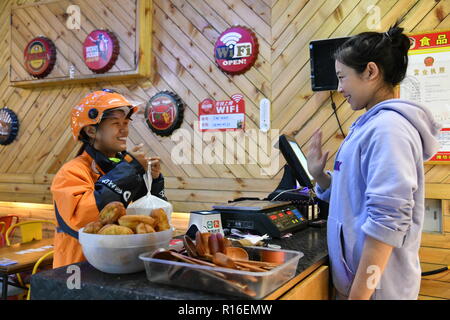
point(376, 190)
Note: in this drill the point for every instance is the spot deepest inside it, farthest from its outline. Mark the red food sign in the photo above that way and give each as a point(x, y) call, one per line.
point(227, 115)
point(40, 57)
point(236, 50)
point(429, 40)
point(101, 50)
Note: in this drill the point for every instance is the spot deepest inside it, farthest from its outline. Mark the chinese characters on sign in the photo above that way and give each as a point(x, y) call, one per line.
point(428, 82)
point(227, 115)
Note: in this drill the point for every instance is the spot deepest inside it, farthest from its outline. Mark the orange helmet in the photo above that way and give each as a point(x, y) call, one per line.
point(91, 108)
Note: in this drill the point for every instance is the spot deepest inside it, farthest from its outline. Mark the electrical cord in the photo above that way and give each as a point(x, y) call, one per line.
point(333, 105)
point(282, 193)
point(429, 273)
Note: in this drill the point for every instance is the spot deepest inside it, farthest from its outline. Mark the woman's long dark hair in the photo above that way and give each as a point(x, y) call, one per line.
point(389, 50)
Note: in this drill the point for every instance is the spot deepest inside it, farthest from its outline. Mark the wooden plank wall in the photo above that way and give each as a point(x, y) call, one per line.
point(50, 20)
point(184, 33)
point(435, 254)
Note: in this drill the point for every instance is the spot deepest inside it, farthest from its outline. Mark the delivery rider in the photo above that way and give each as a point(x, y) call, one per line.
point(102, 172)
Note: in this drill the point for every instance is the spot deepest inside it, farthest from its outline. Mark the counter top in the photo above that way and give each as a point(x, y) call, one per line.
point(52, 284)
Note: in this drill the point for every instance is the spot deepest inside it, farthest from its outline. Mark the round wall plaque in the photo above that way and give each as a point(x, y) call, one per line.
point(40, 57)
point(101, 50)
point(236, 50)
point(164, 113)
point(9, 126)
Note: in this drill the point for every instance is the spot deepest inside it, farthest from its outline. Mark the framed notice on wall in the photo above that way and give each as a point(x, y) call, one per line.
point(428, 82)
point(226, 115)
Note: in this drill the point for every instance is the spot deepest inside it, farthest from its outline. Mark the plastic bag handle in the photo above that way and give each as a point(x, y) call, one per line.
point(148, 180)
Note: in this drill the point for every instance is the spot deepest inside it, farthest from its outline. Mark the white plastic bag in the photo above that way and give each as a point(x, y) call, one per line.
point(147, 203)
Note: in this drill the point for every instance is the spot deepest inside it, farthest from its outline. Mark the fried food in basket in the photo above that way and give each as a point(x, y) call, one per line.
point(112, 212)
point(114, 229)
point(132, 221)
point(93, 227)
point(144, 228)
point(162, 222)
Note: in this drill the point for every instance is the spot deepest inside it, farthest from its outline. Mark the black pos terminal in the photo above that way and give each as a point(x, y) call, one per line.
point(291, 207)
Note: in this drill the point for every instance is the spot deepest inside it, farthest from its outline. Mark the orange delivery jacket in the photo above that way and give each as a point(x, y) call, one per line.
point(83, 187)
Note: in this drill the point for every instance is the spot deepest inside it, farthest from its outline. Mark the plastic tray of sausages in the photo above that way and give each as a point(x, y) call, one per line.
point(244, 284)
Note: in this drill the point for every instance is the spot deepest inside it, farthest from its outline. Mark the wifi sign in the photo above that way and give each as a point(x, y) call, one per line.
point(230, 39)
point(236, 50)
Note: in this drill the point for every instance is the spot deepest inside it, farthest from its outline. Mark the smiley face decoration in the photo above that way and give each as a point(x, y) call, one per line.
point(9, 126)
point(101, 50)
point(40, 57)
point(164, 113)
point(236, 50)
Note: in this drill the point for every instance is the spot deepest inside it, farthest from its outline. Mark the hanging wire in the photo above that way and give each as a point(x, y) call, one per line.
point(429, 273)
point(333, 105)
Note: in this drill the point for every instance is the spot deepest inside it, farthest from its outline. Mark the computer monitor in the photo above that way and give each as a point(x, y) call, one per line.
point(323, 71)
point(296, 160)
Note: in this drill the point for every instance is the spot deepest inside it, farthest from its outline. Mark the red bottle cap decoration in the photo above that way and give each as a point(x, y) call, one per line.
point(40, 57)
point(164, 113)
point(236, 50)
point(101, 50)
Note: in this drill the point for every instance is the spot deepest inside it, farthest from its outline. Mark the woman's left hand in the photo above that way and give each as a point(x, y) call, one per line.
point(155, 166)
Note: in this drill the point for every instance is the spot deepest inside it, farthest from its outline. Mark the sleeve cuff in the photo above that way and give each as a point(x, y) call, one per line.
point(134, 163)
point(321, 193)
point(384, 234)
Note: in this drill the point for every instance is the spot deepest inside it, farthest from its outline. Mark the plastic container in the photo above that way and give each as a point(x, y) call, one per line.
point(239, 283)
point(120, 253)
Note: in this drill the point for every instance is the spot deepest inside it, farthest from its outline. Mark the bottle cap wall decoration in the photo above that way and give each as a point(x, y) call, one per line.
point(236, 50)
point(9, 126)
point(40, 57)
point(164, 113)
point(101, 50)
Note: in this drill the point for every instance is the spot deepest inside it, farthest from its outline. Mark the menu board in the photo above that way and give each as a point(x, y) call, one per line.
point(428, 82)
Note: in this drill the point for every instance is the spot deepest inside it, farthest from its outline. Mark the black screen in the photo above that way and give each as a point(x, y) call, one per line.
point(323, 72)
point(296, 160)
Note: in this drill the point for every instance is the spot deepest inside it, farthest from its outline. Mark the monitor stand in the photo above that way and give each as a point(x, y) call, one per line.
point(288, 182)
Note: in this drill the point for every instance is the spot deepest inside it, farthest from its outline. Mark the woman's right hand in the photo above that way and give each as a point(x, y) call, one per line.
point(317, 160)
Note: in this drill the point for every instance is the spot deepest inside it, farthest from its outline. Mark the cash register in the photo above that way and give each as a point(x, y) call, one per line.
point(274, 218)
point(291, 207)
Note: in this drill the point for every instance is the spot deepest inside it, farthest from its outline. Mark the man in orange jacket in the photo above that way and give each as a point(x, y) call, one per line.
point(101, 173)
